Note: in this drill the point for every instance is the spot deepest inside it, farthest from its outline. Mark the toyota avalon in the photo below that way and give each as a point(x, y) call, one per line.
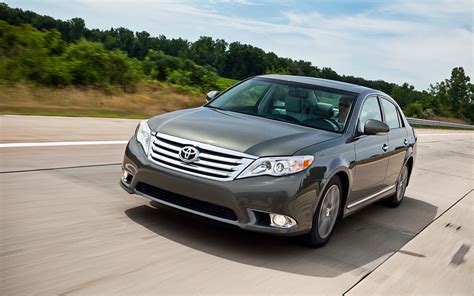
point(278, 154)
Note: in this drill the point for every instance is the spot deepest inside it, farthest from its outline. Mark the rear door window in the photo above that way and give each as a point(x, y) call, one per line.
point(392, 119)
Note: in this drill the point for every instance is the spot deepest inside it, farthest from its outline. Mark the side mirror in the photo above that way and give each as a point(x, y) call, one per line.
point(211, 95)
point(375, 127)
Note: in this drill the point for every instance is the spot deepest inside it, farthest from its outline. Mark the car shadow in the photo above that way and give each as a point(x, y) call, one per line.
point(360, 242)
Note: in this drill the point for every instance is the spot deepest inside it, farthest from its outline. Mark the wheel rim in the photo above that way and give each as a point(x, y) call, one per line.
point(402, 183)
point(328, 211)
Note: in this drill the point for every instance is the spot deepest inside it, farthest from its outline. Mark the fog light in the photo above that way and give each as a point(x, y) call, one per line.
point(124, 176)
point(281, 221)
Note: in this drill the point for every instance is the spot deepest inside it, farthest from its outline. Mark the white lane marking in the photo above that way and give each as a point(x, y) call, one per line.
point(450, 134)
point(51, 144)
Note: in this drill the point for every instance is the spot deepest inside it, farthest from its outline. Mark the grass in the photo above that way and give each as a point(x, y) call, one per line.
point(224, 83)
point(150, 98)
point(439, 127)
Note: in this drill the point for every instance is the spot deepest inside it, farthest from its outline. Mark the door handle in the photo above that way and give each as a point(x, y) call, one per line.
point(405, 142)
point(385, 147)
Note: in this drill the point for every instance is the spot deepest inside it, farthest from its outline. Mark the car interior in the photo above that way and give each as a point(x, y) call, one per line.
point(300, 106)
point(309, 107)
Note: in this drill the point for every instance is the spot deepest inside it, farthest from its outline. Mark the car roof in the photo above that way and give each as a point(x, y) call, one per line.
point(320, 82)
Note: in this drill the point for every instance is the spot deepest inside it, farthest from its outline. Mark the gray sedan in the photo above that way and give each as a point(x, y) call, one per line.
point(278, 154)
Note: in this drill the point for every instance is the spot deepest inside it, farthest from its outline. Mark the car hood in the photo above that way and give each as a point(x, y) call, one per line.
point(239, 132)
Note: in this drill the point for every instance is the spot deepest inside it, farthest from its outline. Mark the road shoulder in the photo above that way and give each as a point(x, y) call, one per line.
point(437, 261)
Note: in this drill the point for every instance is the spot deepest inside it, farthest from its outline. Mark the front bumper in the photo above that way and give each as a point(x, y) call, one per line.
point(241, 202)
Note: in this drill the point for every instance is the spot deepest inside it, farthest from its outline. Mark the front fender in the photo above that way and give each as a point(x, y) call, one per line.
point(331, 162)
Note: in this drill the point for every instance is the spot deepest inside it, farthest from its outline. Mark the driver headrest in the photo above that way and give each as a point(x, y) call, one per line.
point(324, 109)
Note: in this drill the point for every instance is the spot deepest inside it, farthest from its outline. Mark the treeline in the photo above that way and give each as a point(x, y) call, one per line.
point(139, 55)
point(234, 60)
point(45, 58)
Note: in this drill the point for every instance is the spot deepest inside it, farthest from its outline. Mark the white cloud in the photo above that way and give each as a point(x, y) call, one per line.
point(236, 2)
point(409, 49)
point(430, 9)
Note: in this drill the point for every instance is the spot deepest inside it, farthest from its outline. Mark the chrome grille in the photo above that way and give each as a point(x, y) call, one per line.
point(213, 162)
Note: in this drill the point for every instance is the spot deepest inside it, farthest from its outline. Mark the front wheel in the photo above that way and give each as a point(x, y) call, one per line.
point(396, 199)
point(326, 215)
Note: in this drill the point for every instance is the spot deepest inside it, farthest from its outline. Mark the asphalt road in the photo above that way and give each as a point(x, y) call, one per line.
point(68, 228)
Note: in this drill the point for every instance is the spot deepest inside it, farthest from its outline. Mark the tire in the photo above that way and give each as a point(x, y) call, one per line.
point(396, 199)
point(326, 215)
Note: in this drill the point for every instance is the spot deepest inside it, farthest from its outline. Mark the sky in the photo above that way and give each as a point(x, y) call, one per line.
point(418, 41)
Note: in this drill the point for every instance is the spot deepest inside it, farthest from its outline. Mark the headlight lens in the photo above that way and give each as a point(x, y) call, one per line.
point(277, 166)
point(143, 134)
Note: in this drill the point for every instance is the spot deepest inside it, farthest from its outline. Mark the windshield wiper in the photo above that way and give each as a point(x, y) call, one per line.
point(217, 108)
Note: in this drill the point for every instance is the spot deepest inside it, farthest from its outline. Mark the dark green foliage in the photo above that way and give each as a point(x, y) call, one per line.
point(91, 64)
point(460, 91)
point(414, 110)
point(26, 53)
point(142, 45)
point(404, 94)
point(160, 66)
point(454, 96)
point(243, 60)
point(439, 99)
point(43, 57)
point(208, 52)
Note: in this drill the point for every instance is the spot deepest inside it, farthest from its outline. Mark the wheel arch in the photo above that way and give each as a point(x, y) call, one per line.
point(345, 177)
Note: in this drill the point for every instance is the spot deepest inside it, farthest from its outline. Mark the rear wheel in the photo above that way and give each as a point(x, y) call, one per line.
point(396, 199)
point(326, 215)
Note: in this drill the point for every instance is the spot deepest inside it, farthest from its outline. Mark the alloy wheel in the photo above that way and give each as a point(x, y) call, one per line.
point(329, 211)
point(402, 183)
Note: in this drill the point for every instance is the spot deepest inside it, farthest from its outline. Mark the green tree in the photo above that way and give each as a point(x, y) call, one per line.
point(328, 73)
point(142, 44)
point(160, 66)
point(404, 94)
point(439, 99)
point(208, 52)
point(414, 110)
point(75, 29)
point(459, 91)
point(244, 60)
point(28, 54)
point(91, 64)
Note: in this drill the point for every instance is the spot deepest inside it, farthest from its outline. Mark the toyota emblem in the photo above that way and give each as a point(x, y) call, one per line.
point(188, 154)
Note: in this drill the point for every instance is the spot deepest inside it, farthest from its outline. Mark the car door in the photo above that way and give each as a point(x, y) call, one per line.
point(371, 161)
point(397, 141)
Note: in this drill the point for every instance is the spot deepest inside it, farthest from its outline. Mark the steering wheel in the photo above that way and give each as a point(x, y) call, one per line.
point(324, 123)
point(332, 120)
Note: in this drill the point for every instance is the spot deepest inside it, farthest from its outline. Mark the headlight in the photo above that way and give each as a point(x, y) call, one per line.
point(277, 166)
point(143, 134)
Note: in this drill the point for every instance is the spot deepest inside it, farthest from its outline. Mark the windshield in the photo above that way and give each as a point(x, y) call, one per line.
point(302, 104)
